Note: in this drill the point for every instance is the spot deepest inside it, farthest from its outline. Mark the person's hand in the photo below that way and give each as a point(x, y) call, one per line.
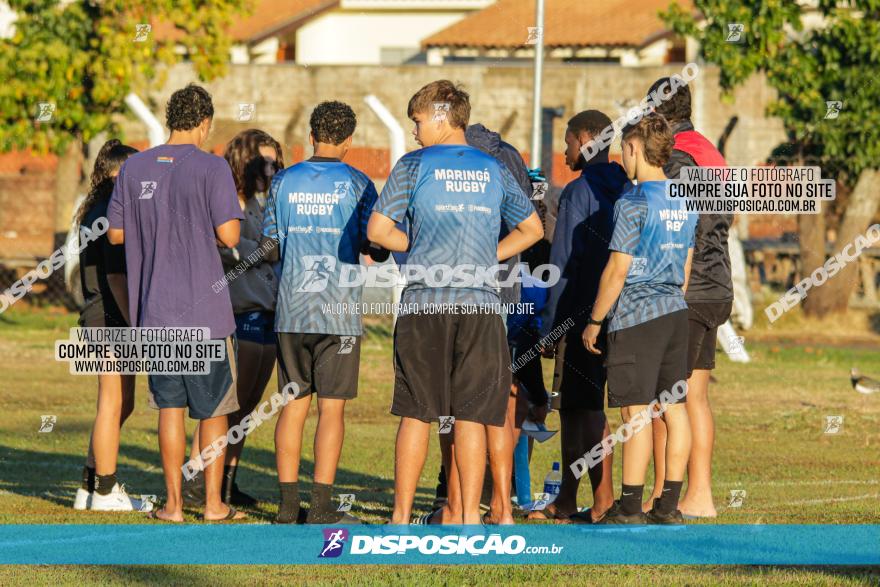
point(538, 413)
point(548, 352)
point(590, 335)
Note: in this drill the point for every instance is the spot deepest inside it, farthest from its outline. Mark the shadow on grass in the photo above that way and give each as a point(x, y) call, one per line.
point(54, 477)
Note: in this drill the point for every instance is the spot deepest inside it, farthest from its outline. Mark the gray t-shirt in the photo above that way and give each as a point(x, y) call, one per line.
point(168, 200)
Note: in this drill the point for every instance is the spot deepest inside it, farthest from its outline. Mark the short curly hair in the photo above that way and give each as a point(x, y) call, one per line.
point(188, 107)
point(332, 122)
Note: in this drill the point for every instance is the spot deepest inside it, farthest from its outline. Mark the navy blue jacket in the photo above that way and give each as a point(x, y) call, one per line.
point(584, 226)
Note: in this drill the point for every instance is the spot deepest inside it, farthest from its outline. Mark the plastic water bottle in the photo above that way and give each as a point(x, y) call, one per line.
point(552, 482)
point(521, 474)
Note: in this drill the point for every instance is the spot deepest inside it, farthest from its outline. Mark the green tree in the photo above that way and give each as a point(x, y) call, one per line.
point(84, 57)
point(809, 61)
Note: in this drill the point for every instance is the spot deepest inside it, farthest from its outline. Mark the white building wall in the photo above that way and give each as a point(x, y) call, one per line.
point(349, 38)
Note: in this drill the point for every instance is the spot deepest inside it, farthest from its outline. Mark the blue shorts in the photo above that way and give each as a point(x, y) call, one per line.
point(206, 396)
point(258, 327)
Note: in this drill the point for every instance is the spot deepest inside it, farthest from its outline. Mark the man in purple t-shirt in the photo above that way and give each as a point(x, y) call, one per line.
point(171, 206)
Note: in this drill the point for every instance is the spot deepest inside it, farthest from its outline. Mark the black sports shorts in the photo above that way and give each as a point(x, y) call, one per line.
point(704, 318)
point(326, 364)
point(646, 359)
point(451, 365)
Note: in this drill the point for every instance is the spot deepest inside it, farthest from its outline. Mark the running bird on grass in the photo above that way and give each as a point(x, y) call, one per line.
point(863, 384)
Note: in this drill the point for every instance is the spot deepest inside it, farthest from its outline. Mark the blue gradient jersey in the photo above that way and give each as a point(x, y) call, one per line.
point(657, 232)
point(318, 212)
point(453, 198)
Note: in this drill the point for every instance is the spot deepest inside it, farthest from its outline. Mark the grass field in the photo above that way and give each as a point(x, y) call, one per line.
point(770, 427)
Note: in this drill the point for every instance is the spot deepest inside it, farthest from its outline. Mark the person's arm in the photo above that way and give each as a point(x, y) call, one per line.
point(114, 266)
point(393, 204)
point(244, 251)
point(523, 235)
point(517, 211)
point(118, 283)
point(229, 232)
point(383, 231)
point(628, 222)
point(116, 209)
point(610, 286)
point(365, 209)
point(223, 207)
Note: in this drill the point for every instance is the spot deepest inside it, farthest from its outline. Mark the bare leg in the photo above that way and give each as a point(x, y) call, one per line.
point(288, 438)
point(600, 477)
point(409, 459)
point(172, 446)
point(470, 460)
point(212, 429)
point(329, 436)
point(658, 429)
point(194, 447)
point(697, 501)
point(501, 443)
point(678, 441)
point(636, 451)
point(115, 404)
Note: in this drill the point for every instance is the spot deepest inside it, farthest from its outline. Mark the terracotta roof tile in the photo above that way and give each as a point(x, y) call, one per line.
point(567, 23)
point(267, 18)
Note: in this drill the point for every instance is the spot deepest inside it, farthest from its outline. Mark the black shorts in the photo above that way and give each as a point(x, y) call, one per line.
point(704, 318)
point(326, 364)
point(579, 375)
point(646, 359)
point(257, 327)
point(451, 365)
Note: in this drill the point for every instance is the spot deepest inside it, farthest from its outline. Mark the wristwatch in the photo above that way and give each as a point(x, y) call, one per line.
point(594, 322)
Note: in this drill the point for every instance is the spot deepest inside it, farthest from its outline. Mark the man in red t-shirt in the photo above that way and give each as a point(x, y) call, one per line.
point(709, 297)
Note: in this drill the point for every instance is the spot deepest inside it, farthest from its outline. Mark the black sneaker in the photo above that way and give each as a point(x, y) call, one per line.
point(657, 517)
point(615, 515)
point(194, 490)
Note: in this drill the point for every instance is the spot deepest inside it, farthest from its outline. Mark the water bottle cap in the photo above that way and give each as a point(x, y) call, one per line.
point(555, 466)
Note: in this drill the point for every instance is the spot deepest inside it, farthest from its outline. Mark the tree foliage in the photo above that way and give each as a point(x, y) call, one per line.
point(82, 57)
point(810, 56)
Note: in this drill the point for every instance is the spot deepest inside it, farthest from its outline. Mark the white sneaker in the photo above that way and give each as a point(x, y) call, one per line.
point(119, 501)
point(83, 499)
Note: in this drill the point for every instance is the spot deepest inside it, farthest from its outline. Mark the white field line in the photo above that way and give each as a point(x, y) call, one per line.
point(828, 500)
point(799, 483)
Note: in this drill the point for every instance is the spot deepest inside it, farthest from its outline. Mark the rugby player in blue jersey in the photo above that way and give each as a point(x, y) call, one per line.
point(450, 352)
point(317, 213)
point(642, 290)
